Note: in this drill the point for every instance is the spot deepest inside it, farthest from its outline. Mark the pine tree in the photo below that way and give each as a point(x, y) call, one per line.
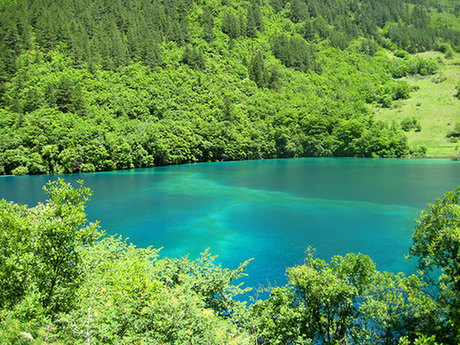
point(251, 26)
point(230, 25)
point(308, 31)
point(257, 71)
point(275, 79)
point(208, 25)
point(298, 11)
point(254, 20)
point(193, 57)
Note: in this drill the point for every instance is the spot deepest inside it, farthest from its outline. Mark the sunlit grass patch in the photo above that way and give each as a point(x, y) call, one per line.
point(435, 106)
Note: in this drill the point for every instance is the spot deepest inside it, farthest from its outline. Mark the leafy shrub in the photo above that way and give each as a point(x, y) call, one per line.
point(439, 78)
point(455, 133)
point(20, 170)
point(400, 53)
point(409, 123)
point(401, 90)
point(418, 151)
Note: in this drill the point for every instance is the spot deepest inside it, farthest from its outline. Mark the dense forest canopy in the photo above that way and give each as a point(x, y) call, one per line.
point(100, 85)
point(64, 287)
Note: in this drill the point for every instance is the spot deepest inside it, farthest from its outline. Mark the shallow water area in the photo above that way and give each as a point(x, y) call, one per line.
point(269, 210)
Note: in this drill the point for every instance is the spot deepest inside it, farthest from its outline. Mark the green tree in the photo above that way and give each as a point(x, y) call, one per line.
point(308, 31)
point(298, 11)
point(369, 47)
point(128, 295)
point(274, 81)
point(348, 301)
point(319, 304)
point(194, 58)
point(254, 20)
point(231, 25)
point(63, 287)
point(437, 247)
point(44, 272)
point(257, 70)
point(208, 25)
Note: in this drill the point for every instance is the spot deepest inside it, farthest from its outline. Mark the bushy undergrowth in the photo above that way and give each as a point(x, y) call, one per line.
point(62, 281)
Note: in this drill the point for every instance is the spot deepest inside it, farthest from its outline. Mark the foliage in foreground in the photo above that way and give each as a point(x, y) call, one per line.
point(59, 285)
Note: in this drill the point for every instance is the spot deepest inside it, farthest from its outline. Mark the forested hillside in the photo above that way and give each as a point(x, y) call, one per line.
point(100, 85)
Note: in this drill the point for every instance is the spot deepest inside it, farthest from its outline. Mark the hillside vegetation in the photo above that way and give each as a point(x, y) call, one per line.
point(100, 85)
point(434, 105)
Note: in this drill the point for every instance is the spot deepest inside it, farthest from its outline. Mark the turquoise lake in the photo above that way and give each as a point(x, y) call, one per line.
point(269, 210)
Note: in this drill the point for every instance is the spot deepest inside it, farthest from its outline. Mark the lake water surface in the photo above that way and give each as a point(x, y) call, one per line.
point(269, 210)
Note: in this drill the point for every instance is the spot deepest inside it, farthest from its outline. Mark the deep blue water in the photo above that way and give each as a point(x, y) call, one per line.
point(268, 210)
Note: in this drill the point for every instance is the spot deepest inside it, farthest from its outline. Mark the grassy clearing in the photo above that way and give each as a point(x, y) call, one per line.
point(434, 105)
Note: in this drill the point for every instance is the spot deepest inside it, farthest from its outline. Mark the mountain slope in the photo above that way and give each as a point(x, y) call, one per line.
point(101, 85)
point(434, 105)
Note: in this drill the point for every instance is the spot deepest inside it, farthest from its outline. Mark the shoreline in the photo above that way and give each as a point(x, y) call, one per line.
point(246, 160)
